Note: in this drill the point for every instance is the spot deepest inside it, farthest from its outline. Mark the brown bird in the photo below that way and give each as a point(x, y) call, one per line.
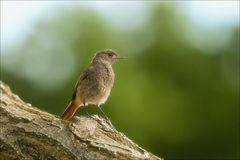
point(95, 83)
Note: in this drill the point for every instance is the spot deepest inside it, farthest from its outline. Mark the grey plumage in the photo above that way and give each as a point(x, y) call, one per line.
point(95, 82)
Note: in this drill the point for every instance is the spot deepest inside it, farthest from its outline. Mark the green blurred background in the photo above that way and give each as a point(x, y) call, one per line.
point(177, 93)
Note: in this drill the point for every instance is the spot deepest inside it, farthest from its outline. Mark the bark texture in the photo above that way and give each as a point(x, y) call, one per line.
point(29, 133)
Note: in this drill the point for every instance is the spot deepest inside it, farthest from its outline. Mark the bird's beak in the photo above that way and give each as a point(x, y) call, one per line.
point(120, 58)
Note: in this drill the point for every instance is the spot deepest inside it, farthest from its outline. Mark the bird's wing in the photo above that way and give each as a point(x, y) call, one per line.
point(87, 73)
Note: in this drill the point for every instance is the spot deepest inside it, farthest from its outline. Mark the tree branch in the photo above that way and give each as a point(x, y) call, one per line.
point(29, 133)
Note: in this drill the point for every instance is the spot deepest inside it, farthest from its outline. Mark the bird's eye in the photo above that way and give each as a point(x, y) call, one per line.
point(110, 54)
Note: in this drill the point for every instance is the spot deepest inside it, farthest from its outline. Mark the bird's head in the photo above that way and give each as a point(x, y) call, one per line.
point(106, 56)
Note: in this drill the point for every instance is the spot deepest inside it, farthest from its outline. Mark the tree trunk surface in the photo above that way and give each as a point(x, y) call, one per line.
point(26, 132)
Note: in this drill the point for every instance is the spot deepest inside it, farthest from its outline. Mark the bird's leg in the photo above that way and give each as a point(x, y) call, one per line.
point(85, 108)
point(106, 117)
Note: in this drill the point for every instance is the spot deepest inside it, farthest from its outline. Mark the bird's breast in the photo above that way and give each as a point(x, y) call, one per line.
point(99, 89)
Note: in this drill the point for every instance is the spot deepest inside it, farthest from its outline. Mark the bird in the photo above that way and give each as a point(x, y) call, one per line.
point(94, 84)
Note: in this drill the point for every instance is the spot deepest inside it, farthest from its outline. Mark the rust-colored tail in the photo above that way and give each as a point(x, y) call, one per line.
point(70, 110)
